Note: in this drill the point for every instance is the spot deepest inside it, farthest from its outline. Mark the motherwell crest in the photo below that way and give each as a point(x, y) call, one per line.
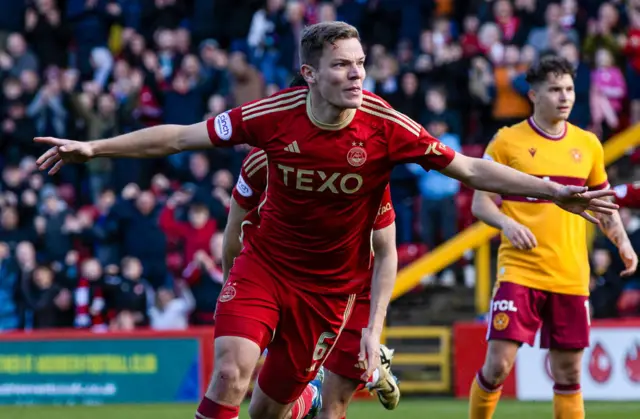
point(576, 154)
point(500, 321)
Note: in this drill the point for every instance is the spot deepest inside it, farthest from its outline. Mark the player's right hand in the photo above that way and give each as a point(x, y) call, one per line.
point(520, 236)
point(578, 200)
point(61, 152)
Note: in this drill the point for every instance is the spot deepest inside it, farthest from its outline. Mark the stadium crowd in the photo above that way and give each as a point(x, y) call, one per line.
point(118, 244)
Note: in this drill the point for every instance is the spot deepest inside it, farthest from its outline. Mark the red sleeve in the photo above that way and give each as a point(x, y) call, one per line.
point(252, 180)
point(230, 128)
point(386, 213)
point(254, 123)
point(628, 195)
point(411, 143)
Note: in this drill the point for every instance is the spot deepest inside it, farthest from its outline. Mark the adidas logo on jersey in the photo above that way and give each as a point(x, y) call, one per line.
point(293, 147)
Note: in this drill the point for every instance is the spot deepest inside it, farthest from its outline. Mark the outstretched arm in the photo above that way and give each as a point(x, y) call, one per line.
point(158, 141)
point(611, 225)
point(489, 176)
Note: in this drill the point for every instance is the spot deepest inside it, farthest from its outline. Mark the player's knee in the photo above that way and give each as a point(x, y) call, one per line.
point(229, 383)
point(334, 409)
point(566, 370)
point(499, 362)
point(260, 409)
point(497, 370)
point(334, 403)
point(232, 372)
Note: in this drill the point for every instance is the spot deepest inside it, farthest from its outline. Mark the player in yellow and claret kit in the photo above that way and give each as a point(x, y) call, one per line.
point(543, 266)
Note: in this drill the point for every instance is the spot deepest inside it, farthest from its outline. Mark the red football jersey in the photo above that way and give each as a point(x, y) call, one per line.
point(628, 195)
point(325, 184)
point(252, 182)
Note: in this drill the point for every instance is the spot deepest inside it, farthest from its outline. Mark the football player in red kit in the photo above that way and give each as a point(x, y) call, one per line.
point(331, 149)
point(627, 195)
point(344, 376)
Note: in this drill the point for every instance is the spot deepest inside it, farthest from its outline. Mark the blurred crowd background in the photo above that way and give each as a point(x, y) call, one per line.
point(120, 244)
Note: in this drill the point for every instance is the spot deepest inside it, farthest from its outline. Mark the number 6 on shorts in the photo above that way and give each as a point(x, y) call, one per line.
point(321, 349)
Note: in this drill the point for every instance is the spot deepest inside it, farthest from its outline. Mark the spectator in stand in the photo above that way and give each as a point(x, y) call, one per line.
point(581, 114)
point(631, 49)
point(205, 278)
point(514, 30)
point(469, 39)
point(602, 33)
point(46, 33)
point(19, 55)
point(408, 99)
point(171, 311)
point(9, 290)
point(134, 221)
point(47, 305)
point(10, 231)
point(196, 233)
point(438, 207)
point(90, 22)
point(89, 297)
point(542, 38)
point(509, 106)
point(60, 227)
point(608, 89)
point(247, 83)
point(128, 293)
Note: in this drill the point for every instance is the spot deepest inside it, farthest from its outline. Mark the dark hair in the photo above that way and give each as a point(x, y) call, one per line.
point(316, 36)
point(552, 64)
point(298, 81)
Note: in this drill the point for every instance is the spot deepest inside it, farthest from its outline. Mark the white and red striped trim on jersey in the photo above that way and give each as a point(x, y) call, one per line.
point(282, 101)
point(254, 163)
point(378, 107)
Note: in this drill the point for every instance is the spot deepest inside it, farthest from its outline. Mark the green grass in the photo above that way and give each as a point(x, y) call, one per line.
point(408, 409)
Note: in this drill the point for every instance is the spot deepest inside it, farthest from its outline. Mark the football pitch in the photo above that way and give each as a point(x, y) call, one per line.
point(408, 409)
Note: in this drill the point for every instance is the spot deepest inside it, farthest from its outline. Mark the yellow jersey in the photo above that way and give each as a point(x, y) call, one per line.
point(560, 261)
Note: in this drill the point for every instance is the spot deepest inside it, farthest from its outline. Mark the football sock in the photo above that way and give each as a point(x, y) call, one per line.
point(302, 406)
point(208, 409)
point(484, 398)
point(567, 402)
point(373, 380)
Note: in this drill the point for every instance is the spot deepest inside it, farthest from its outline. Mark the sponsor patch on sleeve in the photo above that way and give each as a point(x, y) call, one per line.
point(222, 125)
point(243, 189)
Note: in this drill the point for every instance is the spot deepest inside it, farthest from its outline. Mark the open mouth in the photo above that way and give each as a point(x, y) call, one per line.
point(354, 89)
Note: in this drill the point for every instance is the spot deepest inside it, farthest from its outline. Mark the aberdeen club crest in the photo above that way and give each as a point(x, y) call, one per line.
point(357, 155)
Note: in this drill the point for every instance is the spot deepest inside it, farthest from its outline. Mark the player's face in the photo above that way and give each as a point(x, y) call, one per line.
point(554, 98)
point(340, 73)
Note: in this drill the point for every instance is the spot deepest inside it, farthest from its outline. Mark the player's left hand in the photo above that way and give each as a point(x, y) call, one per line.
point(61, 152)
point(579, 200)
point(369, 357)
point(629, 258)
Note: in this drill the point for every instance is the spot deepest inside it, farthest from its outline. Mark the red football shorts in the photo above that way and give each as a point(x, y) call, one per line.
point(518, 312)
point(343, 360)
point(304, 326)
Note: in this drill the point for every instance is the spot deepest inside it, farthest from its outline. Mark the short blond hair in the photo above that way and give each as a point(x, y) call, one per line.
point(315, 37)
